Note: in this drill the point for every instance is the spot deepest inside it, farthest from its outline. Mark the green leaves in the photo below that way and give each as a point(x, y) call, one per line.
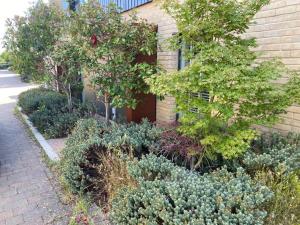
point(241, 90)
point(112, 63)
point(30, 39)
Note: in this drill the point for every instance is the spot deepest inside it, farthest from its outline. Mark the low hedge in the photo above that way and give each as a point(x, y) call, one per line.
point(90, 138)
point(48, 111)
point(41, 98)
point(168, 194)
point(79, 156)
point(55, 123)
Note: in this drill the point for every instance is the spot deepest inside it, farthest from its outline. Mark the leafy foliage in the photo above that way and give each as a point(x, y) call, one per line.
point(134, 139)
point(222, 64)
point(55, 123)
point(167, 194)
point(273, 153)
point(273, 160)
point(79, 155)
point(37, 98)
point(181, 149)
point(110, 46)
point(49, 113)
point(90, 140)
point(66, 58)
point(30, 39)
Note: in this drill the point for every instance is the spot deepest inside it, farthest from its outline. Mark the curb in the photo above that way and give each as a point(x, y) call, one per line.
point(39, 137)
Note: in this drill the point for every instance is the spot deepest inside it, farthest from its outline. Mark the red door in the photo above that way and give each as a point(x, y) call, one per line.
point(146, 107)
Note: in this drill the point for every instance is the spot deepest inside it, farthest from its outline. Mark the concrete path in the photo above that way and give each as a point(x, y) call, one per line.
point(27, 194)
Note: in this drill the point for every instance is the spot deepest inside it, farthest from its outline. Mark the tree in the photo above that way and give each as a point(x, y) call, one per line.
point(31, 39)
point(5, 57)
point(17, 43)
point(110, 45)
point(66, 58)
point(222, 64)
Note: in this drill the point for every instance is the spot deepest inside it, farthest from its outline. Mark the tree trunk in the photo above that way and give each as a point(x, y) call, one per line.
point(57, 85)
point(107, 104)
point(69, 93)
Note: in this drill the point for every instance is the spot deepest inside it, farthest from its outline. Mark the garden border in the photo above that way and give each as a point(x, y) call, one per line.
point(40, 138)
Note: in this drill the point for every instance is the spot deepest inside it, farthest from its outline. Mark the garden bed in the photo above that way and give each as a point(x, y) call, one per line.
point(125, 170)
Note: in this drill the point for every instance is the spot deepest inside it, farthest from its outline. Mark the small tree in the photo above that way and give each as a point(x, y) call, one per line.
point(66, 59)
point(110, 45)
point(222, 64)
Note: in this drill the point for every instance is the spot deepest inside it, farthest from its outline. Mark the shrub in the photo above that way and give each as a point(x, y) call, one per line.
point(275, 153)
point(284, 207)
point(37, 98)
point(181, 149)
point(168, 194)
point(224, 90)
point(132, 138)
point(82, 157)
point(48, 111)
point(79, 157)
point(54, 123)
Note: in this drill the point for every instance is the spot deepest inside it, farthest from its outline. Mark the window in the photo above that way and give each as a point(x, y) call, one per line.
point(182, 62)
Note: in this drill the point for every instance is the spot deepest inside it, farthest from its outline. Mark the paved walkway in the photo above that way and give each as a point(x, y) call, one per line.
point(27, 194)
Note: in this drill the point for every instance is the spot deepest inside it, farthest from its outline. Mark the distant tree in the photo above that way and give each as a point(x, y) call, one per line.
point(31, 39)
point(5, 57)
point(66, 58)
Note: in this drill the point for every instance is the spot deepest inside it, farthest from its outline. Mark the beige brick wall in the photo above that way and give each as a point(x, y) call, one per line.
point(277, 29)
point(165, 110)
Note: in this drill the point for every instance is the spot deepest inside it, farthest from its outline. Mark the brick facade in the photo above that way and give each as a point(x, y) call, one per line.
point(276, 27)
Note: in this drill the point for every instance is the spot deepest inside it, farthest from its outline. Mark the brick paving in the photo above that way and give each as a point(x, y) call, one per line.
point(28, 195)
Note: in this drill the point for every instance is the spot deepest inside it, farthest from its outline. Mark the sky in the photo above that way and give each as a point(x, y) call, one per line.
point(10, 8)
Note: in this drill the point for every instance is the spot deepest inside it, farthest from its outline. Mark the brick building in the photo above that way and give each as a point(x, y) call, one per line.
point(276, 27)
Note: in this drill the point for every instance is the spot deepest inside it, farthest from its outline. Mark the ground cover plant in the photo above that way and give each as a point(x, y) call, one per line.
point(168, 194)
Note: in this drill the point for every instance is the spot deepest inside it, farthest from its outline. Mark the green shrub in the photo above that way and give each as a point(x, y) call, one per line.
point(90, 139)
point(34, 99)
point(275, 153)
point(49, 113)
point(54, 123)
point(168, 194)
point(79, 157)
point(134, 138)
